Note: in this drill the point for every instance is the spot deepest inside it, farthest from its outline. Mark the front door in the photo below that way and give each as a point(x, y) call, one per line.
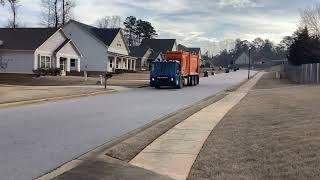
point(63, 66)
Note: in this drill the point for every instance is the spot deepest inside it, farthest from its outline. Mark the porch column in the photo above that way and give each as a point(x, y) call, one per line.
point(78, 65)
point(127, 63)
point(115, 62)
point(68, 65)
point(122, 64)
point(134, 64)
point(58, 61)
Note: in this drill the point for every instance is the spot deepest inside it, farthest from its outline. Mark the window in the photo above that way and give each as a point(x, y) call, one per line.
point(45, 62)
point(117, 64)
point(73, 63)
point(111, 62)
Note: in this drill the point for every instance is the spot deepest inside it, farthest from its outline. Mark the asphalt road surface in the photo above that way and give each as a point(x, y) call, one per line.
point(35, 139)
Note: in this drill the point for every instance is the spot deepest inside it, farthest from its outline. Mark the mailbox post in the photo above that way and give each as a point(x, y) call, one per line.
point(106, 77)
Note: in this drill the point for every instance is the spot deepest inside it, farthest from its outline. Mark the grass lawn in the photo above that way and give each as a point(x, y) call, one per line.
point(273, 133)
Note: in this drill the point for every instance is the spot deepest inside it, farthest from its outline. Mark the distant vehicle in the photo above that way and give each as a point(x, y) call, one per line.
point(235, 68)
point(227, 70)
point(180, 68)
point(206, 74)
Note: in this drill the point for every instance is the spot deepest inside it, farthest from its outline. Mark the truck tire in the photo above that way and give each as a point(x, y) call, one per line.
point(195, 80)
point(189, 81)
point(180, 84)
point(192, 81)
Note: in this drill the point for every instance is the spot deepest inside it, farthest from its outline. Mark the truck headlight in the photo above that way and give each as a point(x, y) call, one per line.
point(172, 79)
point(152, 79)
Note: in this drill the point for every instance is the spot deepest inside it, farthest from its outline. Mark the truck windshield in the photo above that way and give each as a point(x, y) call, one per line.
point(163, 67)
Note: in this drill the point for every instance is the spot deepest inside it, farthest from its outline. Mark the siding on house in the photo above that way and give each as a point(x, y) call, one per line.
point(52, 43)
point(144, 59)
point(18, 61)
point(118, 45)
point(94, 53)
point(67, 50)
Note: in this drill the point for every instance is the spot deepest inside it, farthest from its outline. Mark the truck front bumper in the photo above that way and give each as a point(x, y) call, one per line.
point(162, 82)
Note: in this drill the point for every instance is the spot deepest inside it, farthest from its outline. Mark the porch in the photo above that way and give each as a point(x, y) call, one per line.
point(65, 63)
point(120, 61)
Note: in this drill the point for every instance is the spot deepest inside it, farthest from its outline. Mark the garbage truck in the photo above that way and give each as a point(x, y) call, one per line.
point(179, 68)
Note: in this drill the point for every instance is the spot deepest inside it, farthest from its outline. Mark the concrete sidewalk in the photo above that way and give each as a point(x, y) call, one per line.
point(174, 153)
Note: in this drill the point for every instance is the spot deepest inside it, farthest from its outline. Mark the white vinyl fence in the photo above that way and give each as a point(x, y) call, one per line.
point(303, 74)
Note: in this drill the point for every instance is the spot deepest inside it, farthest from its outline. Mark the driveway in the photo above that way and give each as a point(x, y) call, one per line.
point(35, 139)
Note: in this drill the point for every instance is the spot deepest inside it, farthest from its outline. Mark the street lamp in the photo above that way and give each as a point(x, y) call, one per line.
point(249, 64)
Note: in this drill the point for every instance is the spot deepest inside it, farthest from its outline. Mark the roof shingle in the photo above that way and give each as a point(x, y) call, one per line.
point(24, 38)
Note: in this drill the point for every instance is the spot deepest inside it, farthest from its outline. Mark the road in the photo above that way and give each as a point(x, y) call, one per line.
point(35, 139)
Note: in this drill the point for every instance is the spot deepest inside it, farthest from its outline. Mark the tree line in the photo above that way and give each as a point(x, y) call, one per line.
point(305, 48)
point(265, 48)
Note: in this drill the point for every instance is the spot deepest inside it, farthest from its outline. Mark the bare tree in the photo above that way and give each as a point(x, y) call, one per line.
point(310, 18)
point(56, 15)
point(66, 11)
point(47, 15)
point(56, 12)
point(109, 22)
point(13, 5)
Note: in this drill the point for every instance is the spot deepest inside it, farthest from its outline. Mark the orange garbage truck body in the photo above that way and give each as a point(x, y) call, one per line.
point(190, 65)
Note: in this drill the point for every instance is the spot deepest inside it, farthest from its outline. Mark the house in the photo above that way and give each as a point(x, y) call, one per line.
point(23, 50)
point(102, 49)
point(243, 59)
point(159, 47)
point(192, 50)
point(256, 59)
point(142, 54)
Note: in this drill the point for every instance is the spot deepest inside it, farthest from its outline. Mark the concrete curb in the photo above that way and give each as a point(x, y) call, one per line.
point(35, 101)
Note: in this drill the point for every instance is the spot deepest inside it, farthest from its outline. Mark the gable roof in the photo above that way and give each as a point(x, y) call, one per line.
point(192, 50)
point(196, 50)
point(62, 45)
point(159, 45)
point(138, 51)
point(182, 48)
point(24, 38)
point(105, 35)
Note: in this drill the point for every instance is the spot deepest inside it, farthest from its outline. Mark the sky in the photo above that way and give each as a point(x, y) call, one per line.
point(209, 24)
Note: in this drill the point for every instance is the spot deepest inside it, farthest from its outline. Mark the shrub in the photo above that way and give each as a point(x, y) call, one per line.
point(47, 72)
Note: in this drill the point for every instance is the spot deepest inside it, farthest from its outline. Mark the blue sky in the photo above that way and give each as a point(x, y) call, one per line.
point(206, 23)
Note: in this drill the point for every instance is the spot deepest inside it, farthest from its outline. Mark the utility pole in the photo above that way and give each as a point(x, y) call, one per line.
point(249, 64)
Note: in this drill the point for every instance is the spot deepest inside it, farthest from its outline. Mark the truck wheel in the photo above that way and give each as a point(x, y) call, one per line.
point(194, 80)
point(188, 81)
point(180, 84)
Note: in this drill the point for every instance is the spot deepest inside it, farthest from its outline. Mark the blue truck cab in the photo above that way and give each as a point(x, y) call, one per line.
point(166, 73)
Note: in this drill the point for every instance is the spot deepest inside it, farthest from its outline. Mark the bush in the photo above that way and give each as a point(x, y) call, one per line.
point(54, 71)
point(47, 72)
